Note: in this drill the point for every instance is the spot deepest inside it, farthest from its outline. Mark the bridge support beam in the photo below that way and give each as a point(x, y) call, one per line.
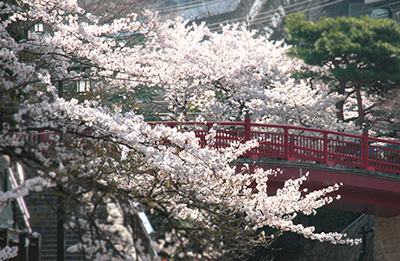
point(387, 238)
point(372, 193)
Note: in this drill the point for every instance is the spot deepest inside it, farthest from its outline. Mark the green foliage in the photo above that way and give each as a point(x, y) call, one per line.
point(359, 54)
point(358, 49)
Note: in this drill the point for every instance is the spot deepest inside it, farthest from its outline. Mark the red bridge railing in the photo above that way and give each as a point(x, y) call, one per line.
point(294, 143)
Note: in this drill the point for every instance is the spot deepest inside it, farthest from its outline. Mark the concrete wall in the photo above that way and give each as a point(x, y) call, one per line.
point(387, 239)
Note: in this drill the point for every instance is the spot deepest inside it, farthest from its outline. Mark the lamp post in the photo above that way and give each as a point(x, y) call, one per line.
point(82, 86)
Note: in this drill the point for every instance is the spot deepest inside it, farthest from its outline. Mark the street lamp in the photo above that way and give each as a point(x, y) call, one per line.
point(38, 28)
point(83, 86)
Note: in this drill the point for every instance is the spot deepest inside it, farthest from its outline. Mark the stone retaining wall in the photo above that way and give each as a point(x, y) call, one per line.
point(387, 239)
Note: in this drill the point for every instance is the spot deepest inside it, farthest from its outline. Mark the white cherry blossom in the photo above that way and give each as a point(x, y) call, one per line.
point(95, 155)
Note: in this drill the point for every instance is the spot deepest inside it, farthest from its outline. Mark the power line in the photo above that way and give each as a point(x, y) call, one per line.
point(300, 10)
point(185, 6)
point(267, 12)
point(325, 5)
point(288, 9)
point(172, 7)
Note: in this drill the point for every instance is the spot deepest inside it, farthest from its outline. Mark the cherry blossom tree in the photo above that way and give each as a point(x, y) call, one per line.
point(222, 76)
point(101, 160)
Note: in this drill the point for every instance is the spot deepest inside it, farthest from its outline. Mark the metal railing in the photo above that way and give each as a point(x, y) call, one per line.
point(29, 244)
point(295, 143)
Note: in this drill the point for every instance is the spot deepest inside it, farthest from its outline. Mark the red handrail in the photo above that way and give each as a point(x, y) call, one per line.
point(45, 137)
point(294, 143)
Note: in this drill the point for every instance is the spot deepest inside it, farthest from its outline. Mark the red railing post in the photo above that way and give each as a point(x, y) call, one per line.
point(326, 155)
point(365, 148)
point(247, 127)
point(289, 145)
point(286, 135)
point(209, 126)
point(248, 136)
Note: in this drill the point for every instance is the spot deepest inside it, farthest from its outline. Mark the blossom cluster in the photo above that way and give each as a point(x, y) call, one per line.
point(223, 76)
point(8, 252)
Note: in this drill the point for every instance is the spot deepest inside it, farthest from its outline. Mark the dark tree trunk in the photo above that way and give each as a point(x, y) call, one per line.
point(339, 105)
point(359, 103)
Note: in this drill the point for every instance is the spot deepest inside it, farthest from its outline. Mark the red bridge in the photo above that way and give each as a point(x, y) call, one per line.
point(368, 167)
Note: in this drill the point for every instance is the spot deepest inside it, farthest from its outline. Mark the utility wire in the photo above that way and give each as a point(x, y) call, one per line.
point(272, 12)
point(299, 9)
point(172, 7)
point(185, 6)
point(288, 9)
point(200, 3)
point(261, 20)
point(264, 19)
